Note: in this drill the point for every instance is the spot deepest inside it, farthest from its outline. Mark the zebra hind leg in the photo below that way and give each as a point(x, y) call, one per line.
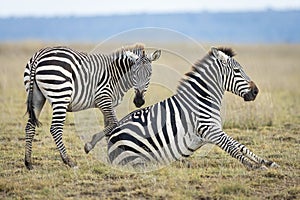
point(30, 132)
point(38, 101)
point(58, 119)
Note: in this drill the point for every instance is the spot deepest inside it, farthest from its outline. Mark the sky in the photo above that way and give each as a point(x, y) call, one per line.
point(48, 8)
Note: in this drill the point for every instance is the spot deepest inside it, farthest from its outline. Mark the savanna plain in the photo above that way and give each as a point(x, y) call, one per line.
point(269, 126)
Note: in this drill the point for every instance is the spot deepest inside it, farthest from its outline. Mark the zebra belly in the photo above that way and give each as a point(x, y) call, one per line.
point(82, 96)
point(83, 104)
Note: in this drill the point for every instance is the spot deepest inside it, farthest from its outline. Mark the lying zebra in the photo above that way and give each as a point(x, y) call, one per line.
point(178, 126)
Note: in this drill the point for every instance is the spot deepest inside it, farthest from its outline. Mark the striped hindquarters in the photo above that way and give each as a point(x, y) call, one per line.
point(61, 74)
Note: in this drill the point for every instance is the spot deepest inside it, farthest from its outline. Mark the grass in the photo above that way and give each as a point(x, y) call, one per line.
point(269, 126)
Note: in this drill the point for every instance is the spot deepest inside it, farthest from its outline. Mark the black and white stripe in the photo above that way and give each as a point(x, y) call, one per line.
point(178, 126)
point(73, 81)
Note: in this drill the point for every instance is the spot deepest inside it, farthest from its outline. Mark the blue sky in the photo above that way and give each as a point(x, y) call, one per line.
point(20, 8)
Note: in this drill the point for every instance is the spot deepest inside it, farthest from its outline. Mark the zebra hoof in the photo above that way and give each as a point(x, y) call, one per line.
point(69, 162)
point(28, 165)
point(274, 165)
point(72, 164)
point(263, 168)
point(76, 167)
point(88, 147)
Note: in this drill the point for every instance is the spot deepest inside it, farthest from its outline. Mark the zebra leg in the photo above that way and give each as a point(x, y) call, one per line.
point(96, 138)
point(38, 101)
point(58, 119)
point(241, 153)
point(110, 122)
point(249, 154)
point(106, 122)
point(30, 132)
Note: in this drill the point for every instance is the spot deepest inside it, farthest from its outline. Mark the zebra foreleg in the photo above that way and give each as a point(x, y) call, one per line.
point(106, 122)
point(97, 137)
point(110, 122)
point(249, 154)
point(241, 153)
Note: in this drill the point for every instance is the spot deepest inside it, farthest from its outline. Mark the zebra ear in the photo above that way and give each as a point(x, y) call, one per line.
point(219, 54)
point(155, 55)
point(214, 51)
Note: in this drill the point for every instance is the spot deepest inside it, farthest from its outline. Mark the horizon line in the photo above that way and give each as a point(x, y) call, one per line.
point(150, 13)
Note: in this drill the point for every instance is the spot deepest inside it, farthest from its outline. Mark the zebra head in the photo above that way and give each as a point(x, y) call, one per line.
point(234, 77)
point(141, 74)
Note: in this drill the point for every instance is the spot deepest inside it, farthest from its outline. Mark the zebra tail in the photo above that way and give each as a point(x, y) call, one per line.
point(30, 108)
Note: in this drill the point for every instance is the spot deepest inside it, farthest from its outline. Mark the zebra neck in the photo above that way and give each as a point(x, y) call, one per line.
point(203, 88)
point(121, 75)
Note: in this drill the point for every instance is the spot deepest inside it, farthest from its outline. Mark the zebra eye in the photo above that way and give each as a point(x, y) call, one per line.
point(236, 70)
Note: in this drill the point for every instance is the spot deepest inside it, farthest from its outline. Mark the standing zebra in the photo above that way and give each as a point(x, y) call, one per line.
point(73, 81)
point(178, 126)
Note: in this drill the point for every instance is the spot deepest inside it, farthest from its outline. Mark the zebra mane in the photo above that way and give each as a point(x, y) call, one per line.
point(228, 51)
point(199, 63)
point(137, 48)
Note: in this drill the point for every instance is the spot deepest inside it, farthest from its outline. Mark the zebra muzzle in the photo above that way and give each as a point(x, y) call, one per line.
point(138, 99)
point(251, 95)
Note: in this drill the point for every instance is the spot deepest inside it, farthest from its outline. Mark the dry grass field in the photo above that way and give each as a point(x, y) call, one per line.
point(270, 126)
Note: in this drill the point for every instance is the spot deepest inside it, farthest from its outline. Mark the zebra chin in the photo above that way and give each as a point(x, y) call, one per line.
point(249, 96)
